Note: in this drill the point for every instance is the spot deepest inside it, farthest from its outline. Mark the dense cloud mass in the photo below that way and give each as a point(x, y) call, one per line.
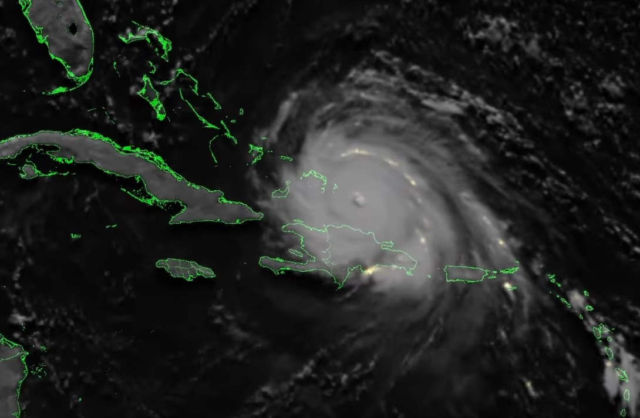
point(450, 194)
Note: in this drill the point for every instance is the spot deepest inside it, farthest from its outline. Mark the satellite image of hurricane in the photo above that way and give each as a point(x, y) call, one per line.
point(322, 209)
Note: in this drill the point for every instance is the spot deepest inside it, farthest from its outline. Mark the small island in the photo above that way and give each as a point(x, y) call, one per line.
point(185, 269)
point(473, 274)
